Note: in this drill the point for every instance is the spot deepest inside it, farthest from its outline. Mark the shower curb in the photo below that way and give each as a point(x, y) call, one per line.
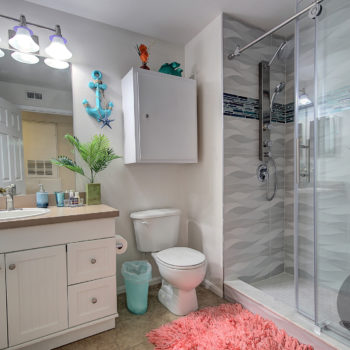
point(281, 314)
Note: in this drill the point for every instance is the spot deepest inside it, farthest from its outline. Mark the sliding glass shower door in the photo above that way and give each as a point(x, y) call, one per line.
point(322, 168)
point(332, 195)
point(304, 242)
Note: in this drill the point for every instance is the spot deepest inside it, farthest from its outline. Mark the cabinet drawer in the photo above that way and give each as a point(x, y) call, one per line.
point(92, 300)
point(91, 260)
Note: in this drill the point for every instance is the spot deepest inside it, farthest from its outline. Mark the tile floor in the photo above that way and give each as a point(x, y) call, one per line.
point(131, 329)
point(281, 287)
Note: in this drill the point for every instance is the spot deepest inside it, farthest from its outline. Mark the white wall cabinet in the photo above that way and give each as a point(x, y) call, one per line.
point(36, 293)
point(44, 309)
point(3, 320)
point(160, 118)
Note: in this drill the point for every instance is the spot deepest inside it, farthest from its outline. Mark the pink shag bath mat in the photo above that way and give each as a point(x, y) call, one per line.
point(228, 326)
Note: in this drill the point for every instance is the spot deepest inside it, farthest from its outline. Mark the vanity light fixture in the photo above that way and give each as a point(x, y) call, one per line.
point(25, 44)
point(23, 40)
point(57, 48)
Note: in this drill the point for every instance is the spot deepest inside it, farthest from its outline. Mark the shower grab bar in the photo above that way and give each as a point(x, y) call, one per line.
point(239, 50)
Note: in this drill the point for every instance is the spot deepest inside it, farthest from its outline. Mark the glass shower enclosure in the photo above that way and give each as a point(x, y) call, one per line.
point(292, 240)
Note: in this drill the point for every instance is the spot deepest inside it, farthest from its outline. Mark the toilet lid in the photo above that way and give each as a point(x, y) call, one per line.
point(181, 256)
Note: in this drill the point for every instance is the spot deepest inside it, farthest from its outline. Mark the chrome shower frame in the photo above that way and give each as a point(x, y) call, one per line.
point(314, 9)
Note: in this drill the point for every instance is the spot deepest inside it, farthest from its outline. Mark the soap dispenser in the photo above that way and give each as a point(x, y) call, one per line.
point(42, 198)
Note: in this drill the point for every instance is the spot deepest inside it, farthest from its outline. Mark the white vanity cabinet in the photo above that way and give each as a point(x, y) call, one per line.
point(36, 282)
point(160, 118)
point(3, 320)
point(59, 281)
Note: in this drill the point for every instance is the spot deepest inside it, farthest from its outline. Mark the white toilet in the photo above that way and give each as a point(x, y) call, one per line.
point(182, 269)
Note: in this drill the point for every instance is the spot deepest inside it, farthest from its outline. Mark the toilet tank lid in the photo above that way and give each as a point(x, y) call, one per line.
point(155, 213)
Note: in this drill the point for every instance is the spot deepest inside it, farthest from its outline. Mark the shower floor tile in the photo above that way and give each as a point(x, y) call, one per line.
point(281, 287)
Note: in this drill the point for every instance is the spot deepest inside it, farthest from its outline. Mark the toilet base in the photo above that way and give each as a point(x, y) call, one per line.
point(179, 302)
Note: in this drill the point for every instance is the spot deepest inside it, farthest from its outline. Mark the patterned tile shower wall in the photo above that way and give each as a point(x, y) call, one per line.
point(253, 226)
point(246, 107)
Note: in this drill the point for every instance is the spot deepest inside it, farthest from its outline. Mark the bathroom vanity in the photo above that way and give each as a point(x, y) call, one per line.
point(57, 277)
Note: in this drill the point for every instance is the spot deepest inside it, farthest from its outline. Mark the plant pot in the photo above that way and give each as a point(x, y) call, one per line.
point(93, 194)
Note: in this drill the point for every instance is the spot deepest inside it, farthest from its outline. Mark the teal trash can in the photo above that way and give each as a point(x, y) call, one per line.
point(136, 276)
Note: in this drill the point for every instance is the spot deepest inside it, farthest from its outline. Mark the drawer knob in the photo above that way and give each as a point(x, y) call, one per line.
point(12, 266)
point(94, 300)
point(93, 261)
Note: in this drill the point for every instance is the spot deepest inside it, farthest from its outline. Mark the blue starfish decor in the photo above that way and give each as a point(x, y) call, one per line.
point(99, 113)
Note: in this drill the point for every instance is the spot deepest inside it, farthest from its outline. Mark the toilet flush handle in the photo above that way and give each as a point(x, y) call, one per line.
point(145, 222)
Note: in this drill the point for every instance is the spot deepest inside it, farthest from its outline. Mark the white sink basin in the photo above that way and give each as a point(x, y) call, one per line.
point(22, 213)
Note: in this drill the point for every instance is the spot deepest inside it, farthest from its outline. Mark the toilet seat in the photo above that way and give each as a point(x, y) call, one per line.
point(180, 258)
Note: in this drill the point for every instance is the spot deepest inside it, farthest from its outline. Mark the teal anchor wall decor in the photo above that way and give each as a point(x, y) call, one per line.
point(99, 113)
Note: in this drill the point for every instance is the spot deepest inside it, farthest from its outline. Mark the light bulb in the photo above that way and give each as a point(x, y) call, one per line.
point(23, 41)
point(51, 62)
point(2, 53)
point(57, 48)
point(24, 57)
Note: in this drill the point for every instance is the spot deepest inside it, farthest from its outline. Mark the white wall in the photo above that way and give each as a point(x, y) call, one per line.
point(203, 56)
point(111, 50)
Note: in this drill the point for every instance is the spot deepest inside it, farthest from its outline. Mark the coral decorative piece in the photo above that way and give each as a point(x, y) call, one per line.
point(171, 68)
point(227, 326)
point(100, 113)
point(143, 53)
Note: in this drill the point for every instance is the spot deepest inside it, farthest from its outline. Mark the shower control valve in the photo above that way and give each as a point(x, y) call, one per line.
point(267, 143)
point(267, 154)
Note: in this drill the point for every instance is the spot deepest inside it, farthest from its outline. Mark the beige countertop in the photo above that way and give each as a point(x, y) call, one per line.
point(60, 215)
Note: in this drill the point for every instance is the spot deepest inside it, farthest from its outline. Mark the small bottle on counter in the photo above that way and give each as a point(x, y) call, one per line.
point(42, 198)
point(76, 198)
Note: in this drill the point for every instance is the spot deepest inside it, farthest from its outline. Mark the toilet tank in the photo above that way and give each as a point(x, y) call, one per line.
point(156, 229)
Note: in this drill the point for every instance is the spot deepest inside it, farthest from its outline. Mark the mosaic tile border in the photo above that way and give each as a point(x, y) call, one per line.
point(247, 107)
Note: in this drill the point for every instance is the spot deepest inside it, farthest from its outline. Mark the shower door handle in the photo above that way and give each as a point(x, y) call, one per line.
point(297, 160)
point(307, 172)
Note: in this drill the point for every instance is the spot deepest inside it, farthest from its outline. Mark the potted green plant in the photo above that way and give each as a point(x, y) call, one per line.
point(97, 155)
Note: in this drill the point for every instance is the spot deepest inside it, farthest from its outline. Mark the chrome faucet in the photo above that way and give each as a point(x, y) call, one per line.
point(10, 193)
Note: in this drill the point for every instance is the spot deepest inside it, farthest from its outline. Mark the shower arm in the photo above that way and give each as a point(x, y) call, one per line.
point(239, 50)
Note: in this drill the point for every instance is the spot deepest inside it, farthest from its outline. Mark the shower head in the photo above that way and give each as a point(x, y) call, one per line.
point(278, 89)
point(278, 52)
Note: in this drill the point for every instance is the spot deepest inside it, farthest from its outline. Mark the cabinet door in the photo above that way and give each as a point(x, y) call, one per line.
point(167, 118)
point(3, 313)
point(36, 293)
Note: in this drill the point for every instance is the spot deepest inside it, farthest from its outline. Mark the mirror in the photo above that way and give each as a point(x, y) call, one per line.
point(36, 111)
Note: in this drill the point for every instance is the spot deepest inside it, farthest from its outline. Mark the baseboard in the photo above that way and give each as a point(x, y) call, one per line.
point(55, 340)
point(152, 282)
point(213, 288)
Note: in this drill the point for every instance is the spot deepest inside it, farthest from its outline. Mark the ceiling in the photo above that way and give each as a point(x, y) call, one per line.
point(177, 21)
